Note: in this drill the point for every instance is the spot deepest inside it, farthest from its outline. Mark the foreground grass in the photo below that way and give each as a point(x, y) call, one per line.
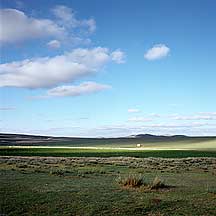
point(56, 152)
point(70, 187)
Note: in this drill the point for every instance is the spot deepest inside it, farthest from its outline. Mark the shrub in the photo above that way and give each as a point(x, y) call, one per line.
point(134, 180)
point(131, 180)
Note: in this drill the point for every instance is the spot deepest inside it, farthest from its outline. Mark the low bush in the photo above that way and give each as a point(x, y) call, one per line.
point(134, 180)
point(131, 180)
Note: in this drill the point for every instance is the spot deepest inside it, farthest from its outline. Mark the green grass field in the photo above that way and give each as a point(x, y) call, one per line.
point(65, 152)
point(42, 186)
point(38, 180)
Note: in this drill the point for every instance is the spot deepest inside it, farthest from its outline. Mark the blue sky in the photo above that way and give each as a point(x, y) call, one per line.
point(108, 68)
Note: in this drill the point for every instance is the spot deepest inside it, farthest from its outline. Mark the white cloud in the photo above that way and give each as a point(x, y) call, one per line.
point(16, 26)
point(207, 113)
point(139, 119)
point(196, 117)
point(54, 44)
point(51, 71)
point(65, 14)
point(158, 51)
point(174, 125)
point(155, 115)
point(67, 18)
point(72, 90)
point(90, 23)
point(133, 110)
point(118, 56)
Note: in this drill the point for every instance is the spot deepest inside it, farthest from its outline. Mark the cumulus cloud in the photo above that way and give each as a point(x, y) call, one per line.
point(16, 26)
point(51, 71)
point(54, 44)
point(118, 56)
point(158, 51)
point(72, 90)
point(133, 110)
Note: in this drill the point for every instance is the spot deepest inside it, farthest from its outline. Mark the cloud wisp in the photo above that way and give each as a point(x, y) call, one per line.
point(133, 110)
point(158, 51)
point(155, 115)
point(73, 90)
point(51, 71)
point(67, 17)
point(199, 116)
point(139, 119)
point(118, 56)
point(54, 44)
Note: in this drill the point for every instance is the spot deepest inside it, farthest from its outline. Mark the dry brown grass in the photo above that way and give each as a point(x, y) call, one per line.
point(157, 183)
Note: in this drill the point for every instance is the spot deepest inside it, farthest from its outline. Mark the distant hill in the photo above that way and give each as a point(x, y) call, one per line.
point(25, 140)
point(161, 137)
point(16, 139)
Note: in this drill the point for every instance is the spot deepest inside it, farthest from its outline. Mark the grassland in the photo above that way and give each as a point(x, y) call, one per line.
point(75, 176)
point(89, 186)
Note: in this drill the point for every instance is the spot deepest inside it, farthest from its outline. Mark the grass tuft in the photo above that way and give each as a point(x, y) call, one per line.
point(132, 180)
point(157, 183)
point(135, 180)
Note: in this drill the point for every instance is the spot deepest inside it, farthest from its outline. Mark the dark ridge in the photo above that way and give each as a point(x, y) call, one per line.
point(7, 139)
point(150, 136)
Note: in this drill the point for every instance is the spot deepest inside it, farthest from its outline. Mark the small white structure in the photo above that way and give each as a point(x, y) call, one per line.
point(138, 145)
